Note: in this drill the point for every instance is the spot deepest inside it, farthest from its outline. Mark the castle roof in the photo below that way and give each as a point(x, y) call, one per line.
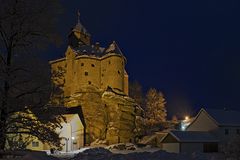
point(98, 51)
point(89, 50)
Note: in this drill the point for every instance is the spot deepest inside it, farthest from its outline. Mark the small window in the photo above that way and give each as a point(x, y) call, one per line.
point(226, 131)
point(86, 73)
point(109, 62)
point(102, 75)
point(35, 144)
point(238, 131)
point(93, 65)
point(82, 64)
point(119, 72)
point(89, 82)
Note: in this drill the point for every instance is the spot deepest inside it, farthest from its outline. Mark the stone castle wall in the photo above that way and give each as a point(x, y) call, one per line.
point(83, 70)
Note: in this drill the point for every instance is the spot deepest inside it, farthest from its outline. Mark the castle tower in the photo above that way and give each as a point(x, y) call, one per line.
point(79, 35)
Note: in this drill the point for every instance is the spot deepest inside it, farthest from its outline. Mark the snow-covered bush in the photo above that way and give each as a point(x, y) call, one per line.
point(232, 149)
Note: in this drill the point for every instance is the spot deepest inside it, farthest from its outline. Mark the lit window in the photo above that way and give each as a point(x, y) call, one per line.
point(86, 73)
point(226, 131)
point(35, 144)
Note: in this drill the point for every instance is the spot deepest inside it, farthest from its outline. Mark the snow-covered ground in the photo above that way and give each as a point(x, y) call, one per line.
point(130, 151)
point(119, 152)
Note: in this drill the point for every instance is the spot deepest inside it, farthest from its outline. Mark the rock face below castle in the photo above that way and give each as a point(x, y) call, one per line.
point(109, 115)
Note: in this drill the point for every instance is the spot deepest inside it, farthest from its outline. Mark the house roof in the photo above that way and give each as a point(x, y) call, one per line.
point(225, 117)
point(192, 136)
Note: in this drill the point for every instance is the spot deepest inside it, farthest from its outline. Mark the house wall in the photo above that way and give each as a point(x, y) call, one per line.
point(226, 137)
point(202, 123)
point(77, 132)
point(40, 146)
point(171, 147)
point(191, 147)
point(73, 128)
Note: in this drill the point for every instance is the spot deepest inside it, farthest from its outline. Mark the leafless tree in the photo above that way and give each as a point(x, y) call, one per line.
point(25, 27)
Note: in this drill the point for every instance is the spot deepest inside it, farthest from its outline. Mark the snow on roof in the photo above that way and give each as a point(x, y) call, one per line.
point(225, 117)
point(193, 136)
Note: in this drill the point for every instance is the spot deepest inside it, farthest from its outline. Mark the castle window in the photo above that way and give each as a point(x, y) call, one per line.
point(102, 75)
point(89, 82)
point(109, 62)
point(226, 131)
point(86, 73)
point(119, 72)
point(93, 65)
point(35, 144)
point(82, 64)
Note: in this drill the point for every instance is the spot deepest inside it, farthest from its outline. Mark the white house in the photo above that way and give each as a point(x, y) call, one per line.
point(207, 132)
point(189, 141)
point(72, 132)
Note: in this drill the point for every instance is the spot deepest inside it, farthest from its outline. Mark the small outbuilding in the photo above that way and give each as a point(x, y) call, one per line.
point(189, 141)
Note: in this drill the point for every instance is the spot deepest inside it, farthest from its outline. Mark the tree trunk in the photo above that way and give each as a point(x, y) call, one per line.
point(4, 106)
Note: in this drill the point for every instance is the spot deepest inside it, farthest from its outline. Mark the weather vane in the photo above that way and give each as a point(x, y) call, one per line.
point(78, 14)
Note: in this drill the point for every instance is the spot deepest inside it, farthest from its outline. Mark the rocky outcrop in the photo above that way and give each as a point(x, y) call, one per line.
point(109, 115)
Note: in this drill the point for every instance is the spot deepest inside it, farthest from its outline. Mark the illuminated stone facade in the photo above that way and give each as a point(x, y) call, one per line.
point(94, 78)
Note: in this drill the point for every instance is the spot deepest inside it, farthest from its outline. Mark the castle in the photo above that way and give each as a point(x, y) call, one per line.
point(94, 79)
point(87, 64)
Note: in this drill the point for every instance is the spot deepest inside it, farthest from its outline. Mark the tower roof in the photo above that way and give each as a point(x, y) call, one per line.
point(113, 48)
point(79, 27)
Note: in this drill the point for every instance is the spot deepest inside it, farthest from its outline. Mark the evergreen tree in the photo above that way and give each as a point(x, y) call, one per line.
point(155, 107)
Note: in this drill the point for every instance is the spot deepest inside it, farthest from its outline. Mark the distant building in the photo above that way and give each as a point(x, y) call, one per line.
point(207, 132)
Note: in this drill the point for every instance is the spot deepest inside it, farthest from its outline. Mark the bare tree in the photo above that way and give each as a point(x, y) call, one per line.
point(135, 91)
point(25, 27)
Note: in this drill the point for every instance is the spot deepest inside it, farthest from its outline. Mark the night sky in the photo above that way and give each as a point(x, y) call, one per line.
point(190, 50)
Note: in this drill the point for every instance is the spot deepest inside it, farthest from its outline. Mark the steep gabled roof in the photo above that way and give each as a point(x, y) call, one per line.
point(113, 48)
point(192, 136)
point(225, 117)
